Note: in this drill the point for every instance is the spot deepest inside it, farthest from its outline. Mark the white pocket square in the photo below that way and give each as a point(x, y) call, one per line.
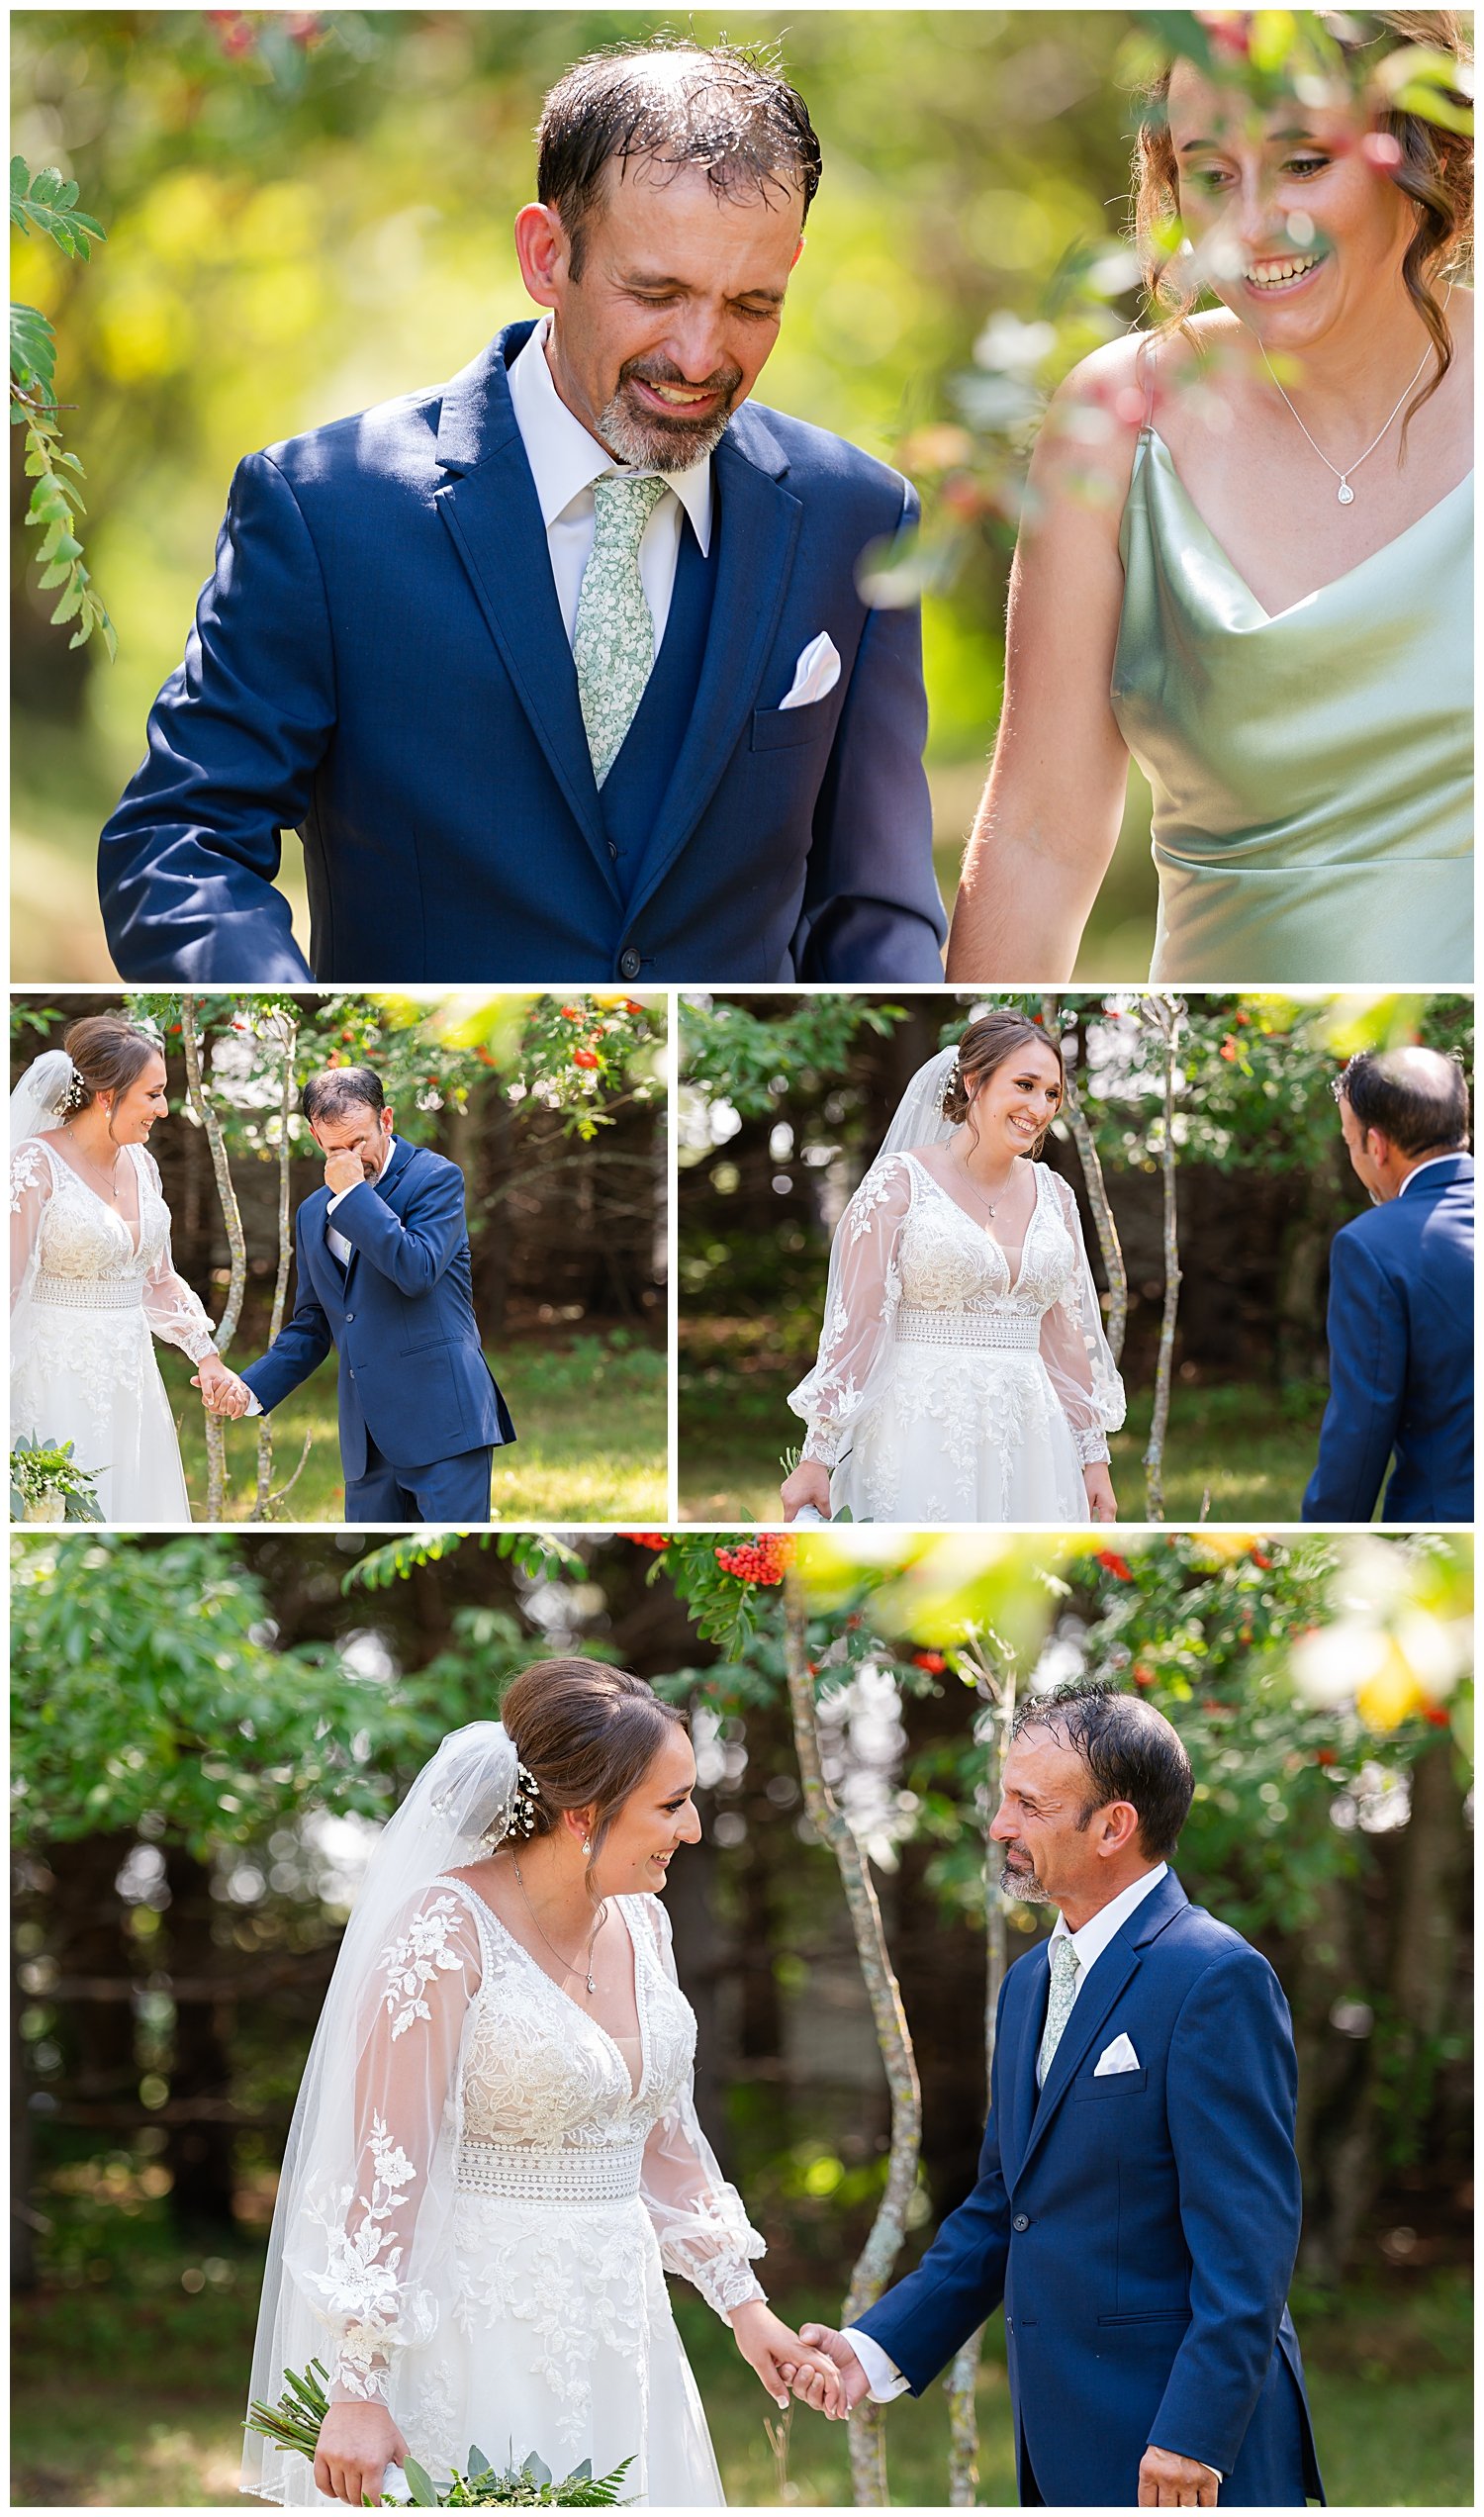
point(816, 672)
point(1117, 2057)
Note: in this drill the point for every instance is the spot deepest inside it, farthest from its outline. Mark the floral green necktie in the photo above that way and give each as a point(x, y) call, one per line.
point(613, 644)
point(1064, 1968)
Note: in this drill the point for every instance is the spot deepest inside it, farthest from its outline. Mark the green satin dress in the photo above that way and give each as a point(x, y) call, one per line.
point(1312, 769)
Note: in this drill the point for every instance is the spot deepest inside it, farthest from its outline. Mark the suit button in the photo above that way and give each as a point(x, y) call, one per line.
point(631, 964)
point(612, 847)
point(350, 1315)
point(1020, 2221)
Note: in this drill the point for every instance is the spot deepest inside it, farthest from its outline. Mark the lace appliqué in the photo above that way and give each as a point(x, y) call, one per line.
point(359, 2293)
point(410, 1963)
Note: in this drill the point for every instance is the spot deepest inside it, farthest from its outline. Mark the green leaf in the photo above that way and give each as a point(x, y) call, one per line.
point(70, 604)
point(479, 2463)
point(419, 2485)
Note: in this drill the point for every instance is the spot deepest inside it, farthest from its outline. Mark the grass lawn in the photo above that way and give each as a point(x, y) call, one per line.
point(589, 1418)
point(1249, 1447)
point(128, 2390)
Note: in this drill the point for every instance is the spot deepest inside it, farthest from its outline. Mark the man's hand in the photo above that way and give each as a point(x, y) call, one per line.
point(809, 2388)
point(343, 1170)
point(1175, 2481)
point(221, 1390)
point(771, 2351)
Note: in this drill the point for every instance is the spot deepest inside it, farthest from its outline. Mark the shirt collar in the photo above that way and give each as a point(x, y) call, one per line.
point(1094, 1937)
point(1427, 1166)
point(565, 459)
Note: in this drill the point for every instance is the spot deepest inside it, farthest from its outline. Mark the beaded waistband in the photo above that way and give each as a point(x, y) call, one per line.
point(515, 2174)
point(916, 1325)
point(90, 1293)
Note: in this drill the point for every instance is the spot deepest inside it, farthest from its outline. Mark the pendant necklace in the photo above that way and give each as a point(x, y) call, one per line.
point(1344, 494)
point(963, 1169)
point(602, 1914)
point(96, 1168)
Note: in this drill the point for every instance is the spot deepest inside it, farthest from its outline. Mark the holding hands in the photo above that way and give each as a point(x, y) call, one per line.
point(850, 2384)
point(782, 2359)
point(221, 1393)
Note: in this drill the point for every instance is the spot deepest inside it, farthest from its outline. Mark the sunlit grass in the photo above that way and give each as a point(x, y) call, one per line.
point(590, 1424)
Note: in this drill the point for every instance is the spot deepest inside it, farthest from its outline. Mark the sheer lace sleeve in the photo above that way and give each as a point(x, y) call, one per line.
point(30, 1196)
point(171, 1309)
point(860, 1306)
point(360, 2255)
point(1075, 1351)
point(698, 2218)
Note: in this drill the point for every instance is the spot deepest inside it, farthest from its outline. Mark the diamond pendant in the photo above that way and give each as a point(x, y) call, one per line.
point(591, 1987)
point(1344, 493)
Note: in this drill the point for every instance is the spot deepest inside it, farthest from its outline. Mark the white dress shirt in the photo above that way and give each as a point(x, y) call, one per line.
point(565, 461)
point(885, 2378)
point(340, 1246)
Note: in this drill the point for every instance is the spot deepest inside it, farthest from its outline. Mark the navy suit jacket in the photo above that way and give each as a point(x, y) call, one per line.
point(413, 1372)
point(1140, 2228)
point(1401, 1330)
point(379, 662)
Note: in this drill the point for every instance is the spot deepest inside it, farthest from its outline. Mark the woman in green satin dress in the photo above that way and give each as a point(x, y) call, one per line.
point(1282, 644)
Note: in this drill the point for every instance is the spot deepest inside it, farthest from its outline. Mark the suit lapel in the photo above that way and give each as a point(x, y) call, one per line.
point(1119, 1961)
point(759, 523)
point(1018, 2072)
point(391, 1179)
point(490, 507)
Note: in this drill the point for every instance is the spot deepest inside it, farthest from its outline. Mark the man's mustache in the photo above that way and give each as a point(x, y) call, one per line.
point(658, 371)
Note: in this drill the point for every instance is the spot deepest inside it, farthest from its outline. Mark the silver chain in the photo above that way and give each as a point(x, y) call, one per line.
point(1346, 495)
point(585, 1972)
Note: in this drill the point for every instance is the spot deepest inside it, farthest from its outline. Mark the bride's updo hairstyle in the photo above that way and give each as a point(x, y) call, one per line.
point(109, 1053)
point(986, 1045)
point(587, 1735)
point(1436, 171)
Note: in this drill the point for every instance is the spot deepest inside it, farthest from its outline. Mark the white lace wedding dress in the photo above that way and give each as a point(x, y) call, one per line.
point(90, 1291)
point(958, 1380)
point(496, 2272)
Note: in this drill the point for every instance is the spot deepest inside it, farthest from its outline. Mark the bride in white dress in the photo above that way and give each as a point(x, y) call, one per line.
point(92, 1281)
point(496, 2157)
point(963, 1372)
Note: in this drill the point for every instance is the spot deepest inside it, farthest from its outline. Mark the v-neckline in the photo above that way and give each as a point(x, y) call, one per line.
point(1300, 603)
point(1012, 1284)
point(135, 1233)
point(635, 2088)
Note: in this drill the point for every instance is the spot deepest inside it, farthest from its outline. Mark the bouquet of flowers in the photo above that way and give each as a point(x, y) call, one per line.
point(46, 1483)
point(294, 2423)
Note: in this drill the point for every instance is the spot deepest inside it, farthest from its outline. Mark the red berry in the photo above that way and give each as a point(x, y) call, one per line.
point(1324, 1756)
point(573, 1013)
point(932, 1662)
point(1114, 1564)
point(1438, 1716)
point(650, 1539)
point(1263, 1562)
point(585, 1056)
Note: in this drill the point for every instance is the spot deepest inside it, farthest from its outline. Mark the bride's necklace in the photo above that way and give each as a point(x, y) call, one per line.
point(974, 1193)
point(112, 1178)
point(567, 1967)
point(1344, 494)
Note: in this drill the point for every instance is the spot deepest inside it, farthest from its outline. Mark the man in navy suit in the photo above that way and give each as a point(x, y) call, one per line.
point(384, 1277)
point(1137, 2208)
point(1401, 1320)
point(562, 671)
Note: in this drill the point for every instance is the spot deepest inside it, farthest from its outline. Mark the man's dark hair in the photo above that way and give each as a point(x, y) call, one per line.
point(1415, 1102)
point(1131, 1753)
point(341, 1088)
point(730, 112)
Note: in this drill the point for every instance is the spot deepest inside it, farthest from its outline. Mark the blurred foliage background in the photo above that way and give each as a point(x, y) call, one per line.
point(206, 1732)
point(307, 211)
point(784, 1100)
point(554, 1109)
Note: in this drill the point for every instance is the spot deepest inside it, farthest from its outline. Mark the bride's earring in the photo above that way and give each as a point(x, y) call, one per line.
point(587, 1846)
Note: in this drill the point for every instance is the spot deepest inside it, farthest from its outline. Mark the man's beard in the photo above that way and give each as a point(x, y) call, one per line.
point(644, 440)
point(1025, 1885)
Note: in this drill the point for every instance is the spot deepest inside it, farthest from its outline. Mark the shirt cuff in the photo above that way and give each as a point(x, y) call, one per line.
point(882, 2374)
